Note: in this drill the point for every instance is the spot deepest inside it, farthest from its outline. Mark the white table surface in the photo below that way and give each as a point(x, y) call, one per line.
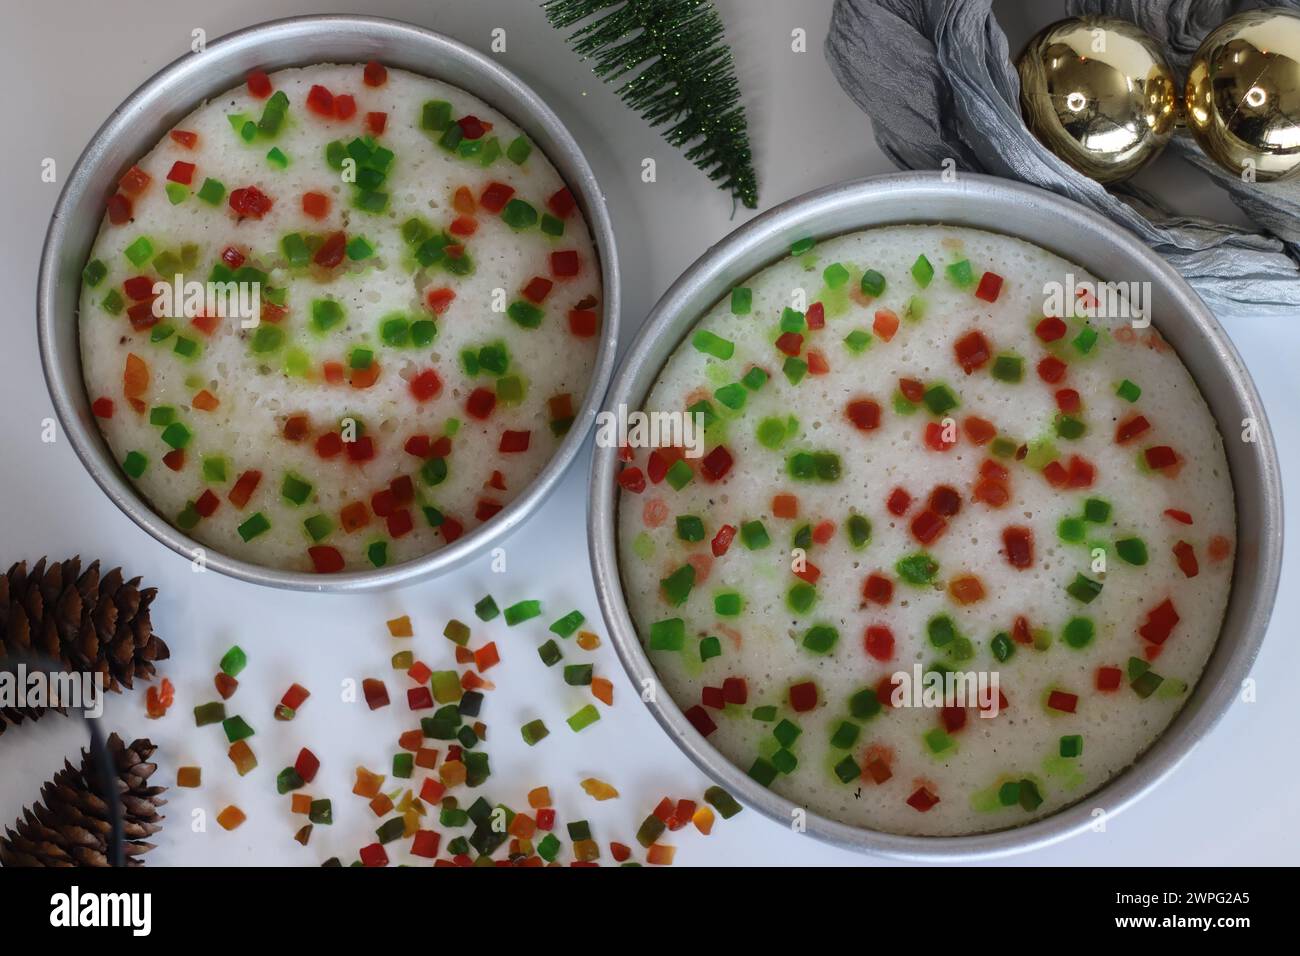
point(68, 64)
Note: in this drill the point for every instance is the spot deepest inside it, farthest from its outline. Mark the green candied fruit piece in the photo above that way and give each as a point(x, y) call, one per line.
point(1009, 793)
point(550, 653)
point(567, 625)
point(525, 314)
point(786, 733)
point(321, 812)
point(1072, 530)
point(434, 472)
point(1132, 551)
point(577, 675)
point(212, 191)
point(276, 157)
point(733, 396)
point(94, 272)
point(584, 718)
point(771, 433)
point(710, 648)
point(845, 735)
point(113, 302)
point(486, 609)
point(873, 283)
point(213, 713)
point(457, 632)
point(765, 713)
point(753, 534)
point(377, 553)
point(1096, 510)
point(939, 399)
point(294, 489)
point(435, 115)
point(359, 248)
point(1071, 746)
point(395, 331)
point(941, 630)
point(522, 611)
point(858, 528)
point(820, 638)
point(189, 517)
point(185, 346)
point(917, 569)
point(325, 314)
point(318, 527)
point(176, 193)
point(668, 635)
point(360, 358)
point(1069, 427)
point(690, 528)
point(415, 232)
point(937, 741)
point(762, 771)
point(959, 273)
point(1079, 632)
point(679, 474)
point(847, 770)
point(1008, 368)
point(802, 246)
point(795, 369)
point(248, 132)
point(1002, 646)
point(922, 271)
point(294, 247)
point(255, 525)
point(722, 801)
point(1128, 391)
point(451, 137)
point(784, 761)
point(423, 332)
point(288, 779)
point(715, 345)
point(162, 415)
point(533, 732)
point(742, 300)
point(552, 226)
point(728, 603)
point(134, 464)
point(802, 538)
point(1085, 340)
point(162, 332)
point(140, 251)
point(519, 150)
point(835, 275)
point(1030, 798)
point(1083, 589)
point(792, 320)
point(1002, 447)
point(371, 201)
point(858, 341)
point(445, 686)
point(801, 597)
point(493, 358)
point(519, 215)
point(754, 379)
point(236, 729)
point(865, 704)
point(814, 466)
point(214, 468)
point(177, 435)
point(677, 586)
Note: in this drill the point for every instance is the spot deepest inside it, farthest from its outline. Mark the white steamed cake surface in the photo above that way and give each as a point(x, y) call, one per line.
point(763, 644)
point(256, 394)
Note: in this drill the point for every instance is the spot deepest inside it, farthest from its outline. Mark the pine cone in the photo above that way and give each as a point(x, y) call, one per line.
point(71, 824)
point(89, 622)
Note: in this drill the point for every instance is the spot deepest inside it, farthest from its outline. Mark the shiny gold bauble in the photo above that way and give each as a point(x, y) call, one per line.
point(1098, 93)
point(1243, 94)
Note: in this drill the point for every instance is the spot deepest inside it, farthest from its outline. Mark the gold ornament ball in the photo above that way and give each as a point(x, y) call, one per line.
point(1098, 93)
point(1243, 94)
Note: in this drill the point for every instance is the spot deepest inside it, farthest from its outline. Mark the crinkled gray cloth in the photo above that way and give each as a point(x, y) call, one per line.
point(937, 79)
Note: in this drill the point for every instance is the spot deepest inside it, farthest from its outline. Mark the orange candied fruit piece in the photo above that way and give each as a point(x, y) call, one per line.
point(599, 789)
point(241, 755)
point(400, 626)
point(301, 803)
point(411, 740)
point(588, 641)
point(603, 690)
point(381, 804)
point(189, 776)
point(462, 201)
point(539, 797)
point(426, 758)
point(452, 773)
point(523, 826)
point(205, 401)
point(367, 784)
point(486, 656)
point(966, 589)
point(354, 516)
point(661, 854)
point(231, 817)
point(703, 818)
point(585, 851)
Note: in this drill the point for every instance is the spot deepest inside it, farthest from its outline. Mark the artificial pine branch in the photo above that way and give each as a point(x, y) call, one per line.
point(680, 72)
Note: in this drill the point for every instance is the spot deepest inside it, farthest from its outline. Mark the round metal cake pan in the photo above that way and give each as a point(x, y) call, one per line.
point(1107, 251)
point(171, 94)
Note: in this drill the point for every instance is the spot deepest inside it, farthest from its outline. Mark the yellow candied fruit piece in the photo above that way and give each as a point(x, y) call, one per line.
point(368, 784)
point(585, 850)
point(588, 641)
point(231, 817)
point(452, 773)
point(188, 776)
point(410, 823)
point(401, 626)
point(703, 818)
point(599, 789)
point(539, 798)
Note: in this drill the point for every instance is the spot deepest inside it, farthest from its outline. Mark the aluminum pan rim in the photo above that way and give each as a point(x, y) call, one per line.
point(280, 43)
point(1250, 607)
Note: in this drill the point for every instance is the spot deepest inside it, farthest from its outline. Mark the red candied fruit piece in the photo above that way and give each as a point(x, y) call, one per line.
point(565, 264)
point(485, 509)
point(471, 127)
point(911, 389)
point(119, 209)
point(1160, 456)
point(582, 323)
point(316, 205)
point(972, 350)
point(791, 343)
point(307, 764)
point(259, 84)
point(207, 503)
point(134, 181)
point(1186, 558)
point(1051, 369)
point(250, 202)
point(1182, 517)
point(878, 589)
point(102, 407)
point(325, 559)
point(922, 799)
point(823, 531)
point(1068, 401)
point(885, 324)
point(417, 445)
point(296, 428)
point(700, 720)
point(1081, 473)
point(992, 493)
point(244, 487)
point(514, 441)
point(632, 479)
point(480, 403)
point(979, 431)
point(815, 317)
point(722, 540)
point(561, 203)
point(374, 74)
point(183, 137)
point(441, 447)
point(373, 855)
point(1018, 546)
point(1050, 329)
point(715, 465)
point(495, 196)
point(320, 101)
point(927, 526)
point(426, 385)
point(377, 122)
point(735, 691)
point(810, 573)
point(345, 107)
point(817, 364)
point(864, 414)
point(803, 697)
point(1160, 622)
point(1130, 428)
point(1060, 700)
point(1056, 474)
point(138, 288)
point(989, 288)
point(329, 444)
point(879, 642)
point(363, 449)
point(382, 503)
point(439, 299)
point(403, 489)
point(537, 289)
point(935, 438)
point(330, 253)
point(953, 718)
point(181, 172)
point(898, 502)
point(1020, 631)
point(232, 257)
point(945, 501)
point(1108, 678)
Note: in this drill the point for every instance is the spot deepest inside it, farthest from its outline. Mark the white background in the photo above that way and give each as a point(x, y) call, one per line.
point(68, 64)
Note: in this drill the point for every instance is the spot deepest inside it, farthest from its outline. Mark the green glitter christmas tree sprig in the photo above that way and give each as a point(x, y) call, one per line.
point(678, 71)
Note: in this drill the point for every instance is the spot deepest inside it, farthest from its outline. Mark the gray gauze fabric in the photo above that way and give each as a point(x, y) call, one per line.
point(937, 79)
